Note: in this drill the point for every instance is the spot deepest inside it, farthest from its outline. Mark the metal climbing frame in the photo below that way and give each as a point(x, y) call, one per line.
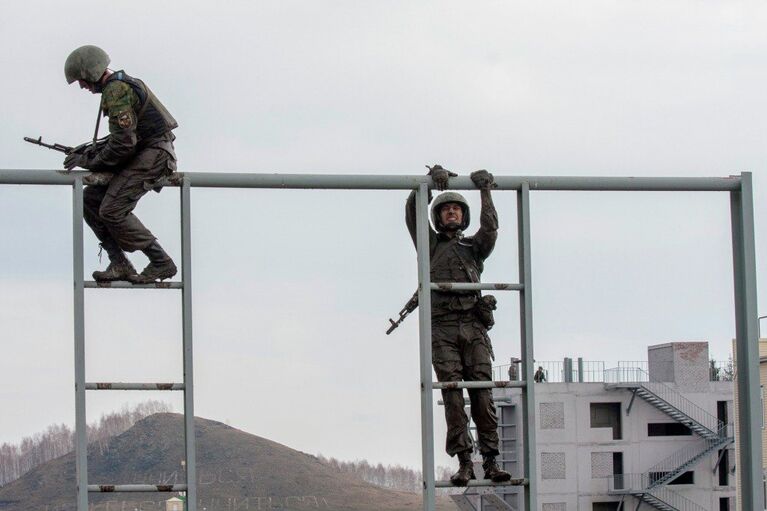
point(744, 271)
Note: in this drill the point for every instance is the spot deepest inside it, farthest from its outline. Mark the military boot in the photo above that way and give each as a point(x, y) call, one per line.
point(119, 267)
point(493, 471)
point(465, 470)
point(160, 266)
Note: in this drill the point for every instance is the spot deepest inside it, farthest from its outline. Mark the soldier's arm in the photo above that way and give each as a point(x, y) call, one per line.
point(410, 211)
point(120, 104)
point(484, 240)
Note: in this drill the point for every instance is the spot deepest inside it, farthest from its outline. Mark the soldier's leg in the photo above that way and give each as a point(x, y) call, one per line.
point(119, 268)
point(92, 197)
point(116, 212)
point(447, 365)
point(478, 367)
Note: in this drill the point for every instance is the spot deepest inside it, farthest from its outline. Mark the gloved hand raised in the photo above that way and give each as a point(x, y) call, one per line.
point(440, 176)
point(76, 160)
point(483, 179)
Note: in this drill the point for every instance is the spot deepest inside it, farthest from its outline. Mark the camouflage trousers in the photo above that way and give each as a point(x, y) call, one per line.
point(461, 350)
point(108, 210)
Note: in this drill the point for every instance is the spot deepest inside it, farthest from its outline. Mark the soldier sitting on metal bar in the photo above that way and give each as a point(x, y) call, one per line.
point(461, 348)
point(139, 151)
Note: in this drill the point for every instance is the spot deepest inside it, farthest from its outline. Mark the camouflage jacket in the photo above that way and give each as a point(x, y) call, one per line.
point(137, 120)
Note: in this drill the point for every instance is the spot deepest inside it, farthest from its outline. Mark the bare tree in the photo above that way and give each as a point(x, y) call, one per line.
point(58, 439)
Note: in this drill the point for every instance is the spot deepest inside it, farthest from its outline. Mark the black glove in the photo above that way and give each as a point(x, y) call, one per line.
point(483, 179)
point(77, 160)
point(440, 176)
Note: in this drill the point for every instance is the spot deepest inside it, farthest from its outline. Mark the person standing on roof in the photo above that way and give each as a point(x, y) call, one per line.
point(138, 151)
point(461, 348)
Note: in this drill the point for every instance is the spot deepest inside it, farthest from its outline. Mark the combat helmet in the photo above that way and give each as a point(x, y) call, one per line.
point(444, 198)
point(86, 63)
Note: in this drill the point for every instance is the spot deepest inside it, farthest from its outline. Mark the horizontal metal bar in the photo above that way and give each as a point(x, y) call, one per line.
point(448, 385)
point(396, 182)
point(134, 386)
point(482, 482)
point(471, 286)
point(499, 401)
point(110, 488)
point(123, 284)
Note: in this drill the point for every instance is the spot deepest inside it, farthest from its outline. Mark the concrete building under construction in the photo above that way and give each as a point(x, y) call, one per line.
point(632, 437)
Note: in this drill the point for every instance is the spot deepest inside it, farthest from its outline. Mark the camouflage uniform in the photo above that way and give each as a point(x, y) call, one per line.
point(139, 150)
point(461, 348)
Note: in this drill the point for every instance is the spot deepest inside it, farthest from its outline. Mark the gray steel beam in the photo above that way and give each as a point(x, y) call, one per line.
point(123, 488)
point(424, 323)
point(121, 284)
point(470, 286)
point(186, 277)
point(81, 428)
point(477, 384)
point(529, 455)
point(134, 386)
point(481, 483)
point(402, 182)
point(747, 346)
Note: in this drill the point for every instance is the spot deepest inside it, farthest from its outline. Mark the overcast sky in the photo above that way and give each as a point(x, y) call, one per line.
point(292, 289)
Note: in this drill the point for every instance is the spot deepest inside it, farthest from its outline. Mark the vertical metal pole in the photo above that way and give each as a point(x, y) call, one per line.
point(424, 330)
point(580, 370)
point(747, 346)
point(186, 275)
point(529, 455)
point(81, 428)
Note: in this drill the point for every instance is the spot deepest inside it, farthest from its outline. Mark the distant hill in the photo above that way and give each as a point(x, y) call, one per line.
point(236, 471)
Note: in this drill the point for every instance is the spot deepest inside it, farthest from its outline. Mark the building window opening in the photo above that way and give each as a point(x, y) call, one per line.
point(605, 506)
point(684, 478)
point(724, 467)
point(607, 415)
point(667, 429)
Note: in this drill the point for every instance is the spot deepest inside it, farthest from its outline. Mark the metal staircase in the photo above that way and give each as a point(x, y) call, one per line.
point(674, 412)
point(670, 468)
point(650, 487)
point(660, 497)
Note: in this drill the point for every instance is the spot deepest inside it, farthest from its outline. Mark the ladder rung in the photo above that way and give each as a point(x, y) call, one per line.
point(109, 488)
point(481, 482)
point(124, 284)
point(471, 286)
point(477, 384)
point(134, 386)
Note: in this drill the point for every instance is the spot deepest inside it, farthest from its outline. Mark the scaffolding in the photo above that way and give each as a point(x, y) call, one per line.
point(744, 271)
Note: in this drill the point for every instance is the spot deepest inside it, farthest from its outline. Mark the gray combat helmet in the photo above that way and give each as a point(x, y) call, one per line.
point(86, 63)
point(445, 198)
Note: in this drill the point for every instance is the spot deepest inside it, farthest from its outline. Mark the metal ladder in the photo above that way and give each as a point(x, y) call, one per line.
point(80, 285)
point(425, 286)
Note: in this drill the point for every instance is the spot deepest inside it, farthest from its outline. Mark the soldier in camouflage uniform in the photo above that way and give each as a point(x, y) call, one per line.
point(461, 348)
point(139, 151)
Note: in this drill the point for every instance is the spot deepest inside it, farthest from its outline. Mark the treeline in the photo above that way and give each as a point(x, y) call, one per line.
point(395, 477)
point(58, 440)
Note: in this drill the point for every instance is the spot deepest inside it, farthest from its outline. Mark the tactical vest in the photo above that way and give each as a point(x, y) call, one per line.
point(459, 264)
point(153, 119)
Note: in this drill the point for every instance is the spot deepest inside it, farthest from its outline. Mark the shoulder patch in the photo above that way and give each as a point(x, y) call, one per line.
point(125, 119)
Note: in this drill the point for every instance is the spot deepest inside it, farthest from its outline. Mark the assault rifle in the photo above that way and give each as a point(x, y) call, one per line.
point(87, 146)
point(409, 307)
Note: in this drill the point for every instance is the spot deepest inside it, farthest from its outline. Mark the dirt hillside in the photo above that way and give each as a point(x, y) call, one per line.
point(236, 471)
